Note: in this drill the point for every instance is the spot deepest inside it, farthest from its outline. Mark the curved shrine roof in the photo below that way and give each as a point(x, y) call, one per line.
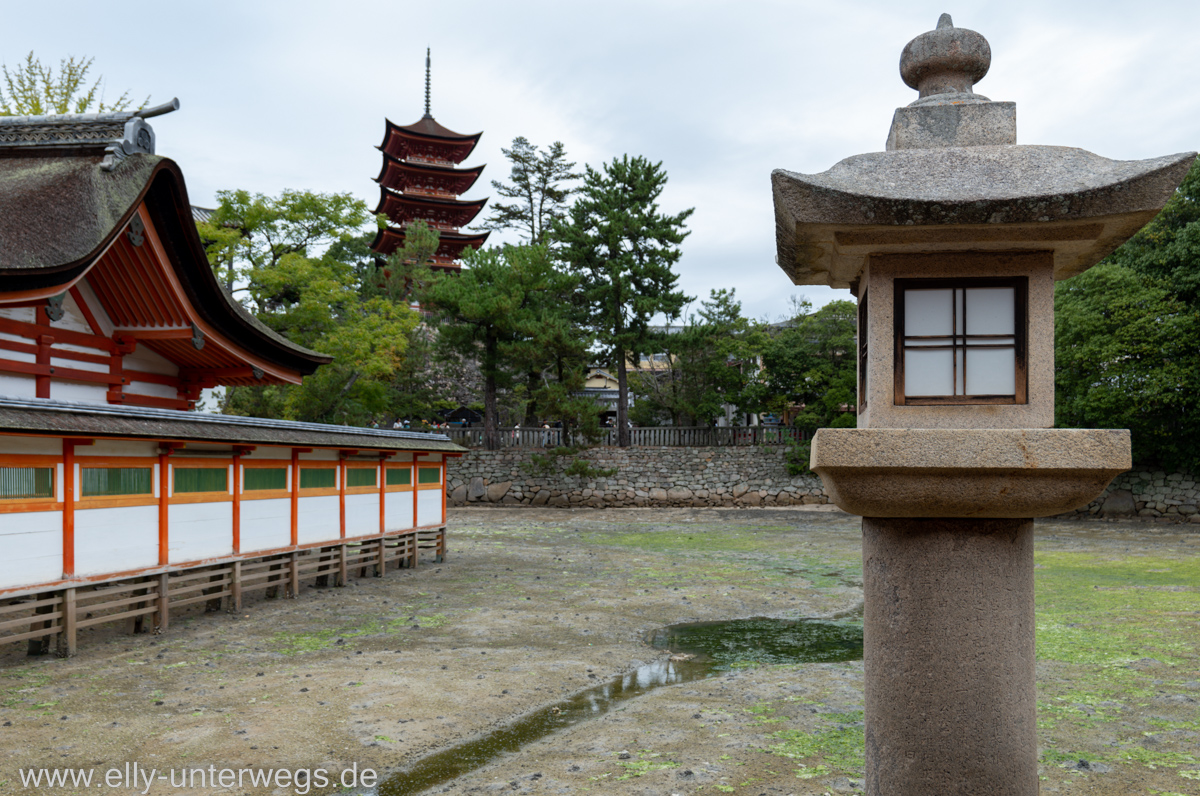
point(62, 208)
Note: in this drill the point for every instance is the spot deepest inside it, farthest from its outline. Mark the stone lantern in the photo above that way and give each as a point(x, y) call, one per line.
point(952, 240)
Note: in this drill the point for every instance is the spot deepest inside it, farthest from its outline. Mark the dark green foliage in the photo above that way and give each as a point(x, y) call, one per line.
point(301, 259)
point(711, 363)
point(623, 249)
point(1126, 338)
point(812, 362)
point(796, 457)
point(493, 311)
point(564, 460)
point(536, 187)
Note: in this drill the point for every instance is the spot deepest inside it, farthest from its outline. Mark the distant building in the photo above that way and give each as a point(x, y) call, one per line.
point(420, 181)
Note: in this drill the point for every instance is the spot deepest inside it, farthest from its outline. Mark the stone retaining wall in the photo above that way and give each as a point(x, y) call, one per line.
point(743, 476)
point(1149, 494)
point(727, 476)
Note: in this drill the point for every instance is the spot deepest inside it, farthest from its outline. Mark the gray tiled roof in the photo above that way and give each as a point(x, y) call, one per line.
point(78, 419)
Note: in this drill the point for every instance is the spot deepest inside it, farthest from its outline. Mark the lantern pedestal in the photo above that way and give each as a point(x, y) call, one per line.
point(948, 622)
point(949, 657)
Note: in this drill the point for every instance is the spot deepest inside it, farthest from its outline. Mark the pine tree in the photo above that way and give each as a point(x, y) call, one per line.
point(537, 179)
point(622, 247)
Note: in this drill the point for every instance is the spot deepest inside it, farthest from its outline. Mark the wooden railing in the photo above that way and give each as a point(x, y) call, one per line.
point(643, 437)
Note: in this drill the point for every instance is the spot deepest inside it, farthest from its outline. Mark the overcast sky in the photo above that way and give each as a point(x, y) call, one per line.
point(294, 94)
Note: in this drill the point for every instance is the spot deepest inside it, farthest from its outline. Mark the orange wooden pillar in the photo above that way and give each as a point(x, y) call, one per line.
point(295, 495)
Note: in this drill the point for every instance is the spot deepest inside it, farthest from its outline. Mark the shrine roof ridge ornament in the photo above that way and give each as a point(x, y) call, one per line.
point(117, 134)
point(954, 178)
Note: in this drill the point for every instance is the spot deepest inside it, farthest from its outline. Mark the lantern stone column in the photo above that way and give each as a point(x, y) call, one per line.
point(952, 240)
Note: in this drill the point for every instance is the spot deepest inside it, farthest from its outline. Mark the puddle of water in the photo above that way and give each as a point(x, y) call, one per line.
point(717, 647)
point(725, 645)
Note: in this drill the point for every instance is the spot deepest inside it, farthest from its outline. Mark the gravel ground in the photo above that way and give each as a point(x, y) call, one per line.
point(533, 606)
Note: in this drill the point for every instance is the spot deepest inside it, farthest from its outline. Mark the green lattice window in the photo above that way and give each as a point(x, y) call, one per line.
point(24, 483)
point(399, 476)
point(429, 475)
point(201, 479)
point(361, 476)
point(318, 477)
point(113, 481)
point(257, 478)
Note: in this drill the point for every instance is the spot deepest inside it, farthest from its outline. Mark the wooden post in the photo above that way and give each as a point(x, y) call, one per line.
point(380, 564)
point(68, 447)
point(342, 574)
point(164, 502)
point(163, 616)
point(235, 588)
point(341, 476)
point(40, 645)
point(294, 574)
point(295, 495)
point(66, 636)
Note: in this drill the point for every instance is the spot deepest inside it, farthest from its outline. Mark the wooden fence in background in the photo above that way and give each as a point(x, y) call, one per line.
point(644, 437)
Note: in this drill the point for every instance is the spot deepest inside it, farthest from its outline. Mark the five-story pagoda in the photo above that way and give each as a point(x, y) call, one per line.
point(420, 181)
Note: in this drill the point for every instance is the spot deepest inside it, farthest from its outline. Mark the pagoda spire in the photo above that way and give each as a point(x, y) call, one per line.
point(428, 115)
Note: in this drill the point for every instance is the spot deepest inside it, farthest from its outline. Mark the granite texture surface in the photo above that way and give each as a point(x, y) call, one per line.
point(934, 126)
point(1013, 473)
point(1076, 204)
point(948, 630)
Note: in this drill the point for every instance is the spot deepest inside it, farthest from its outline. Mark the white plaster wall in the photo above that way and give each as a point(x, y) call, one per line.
point(79, 391)
point(429, 507)
point(319, 520)
point(25, 314)
point(39, 446)
point(284, 454)
point(398, 511)
point(72, 318)
point(362, 514)
point(144, 359)
point(13, 386)
point(199, 530)
point(32, 548)
point(115, 539)
point(118, 447)
point(93, 302)
point(266, 524)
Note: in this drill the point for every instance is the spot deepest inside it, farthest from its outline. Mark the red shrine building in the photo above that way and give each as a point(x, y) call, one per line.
point(420, 181)
point(121, 504)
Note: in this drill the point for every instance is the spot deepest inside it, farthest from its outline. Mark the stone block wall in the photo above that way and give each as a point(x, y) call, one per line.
point(1148, 494)
point(743, 476)
point(732, 476)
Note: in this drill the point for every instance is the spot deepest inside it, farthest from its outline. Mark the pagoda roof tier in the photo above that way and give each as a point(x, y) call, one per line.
point(450, 246)
point(427, 139)
point(438, 211)
point(407, 175)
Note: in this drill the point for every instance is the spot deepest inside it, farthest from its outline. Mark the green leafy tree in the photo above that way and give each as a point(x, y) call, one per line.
point(536, 187)
point(489, 312)
point(298, 261)
point(709, 364)
point(811, 362)
point(622, 247)
point(1125, 338)
point(34, 89)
